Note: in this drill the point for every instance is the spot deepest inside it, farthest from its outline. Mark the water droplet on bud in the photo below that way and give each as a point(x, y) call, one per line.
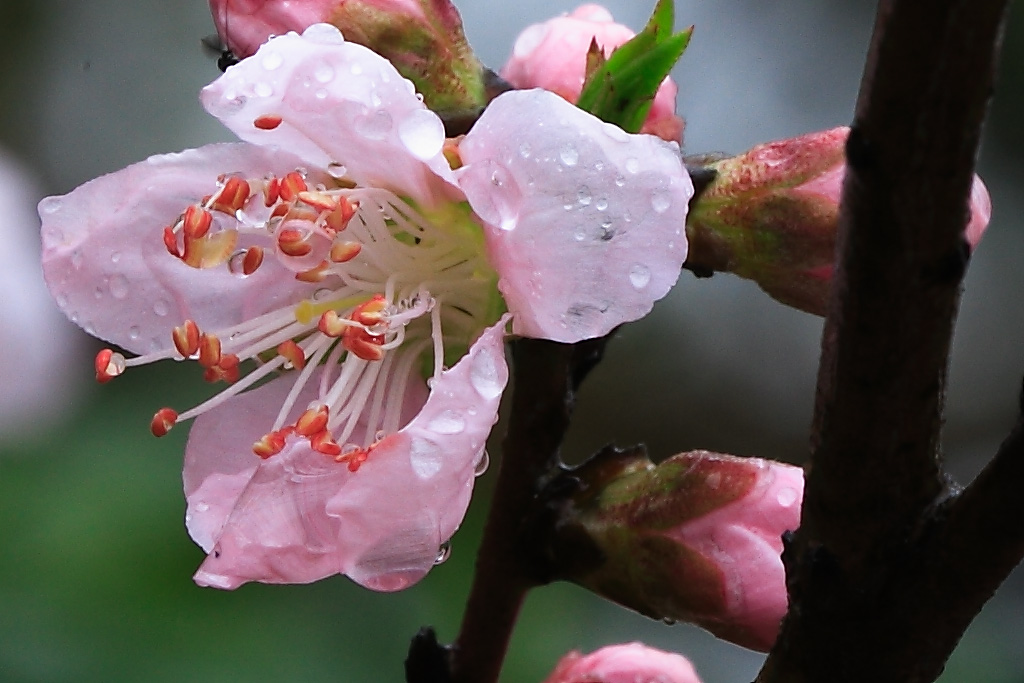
point(443, 553)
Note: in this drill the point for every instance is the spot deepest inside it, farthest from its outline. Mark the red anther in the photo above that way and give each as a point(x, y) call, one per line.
point(196, 222)
point(354, 458)
point(171, 242)
point(318, 200)
point(232, 196)
point(271, 192)
point(162, 422)
point(186, 338)
point(293, 353)
point(371, 312)
point(315, 274)
point(226, 370)
point(267, 121)
point(312, 421)
point(323, 442)
point(362, 344)
point(109, 364)
point(209, 350)
point(332, 324)
point(291, 242)
point(270, 444)
point(337, 220)
point(342, 252)
point(252, 260)
point(291, 185)
point(280, 210)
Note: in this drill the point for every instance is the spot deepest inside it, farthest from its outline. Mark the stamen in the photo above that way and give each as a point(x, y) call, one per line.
point(267, 121)
point(342, 252)
point(186, 338)
point(232, 197)
point(311, 422)
point(293, 353)
point(209, 350)
point(163, 421)
point(109, 364)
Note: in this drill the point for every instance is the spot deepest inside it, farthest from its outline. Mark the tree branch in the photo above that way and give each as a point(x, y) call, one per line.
point(875, 475)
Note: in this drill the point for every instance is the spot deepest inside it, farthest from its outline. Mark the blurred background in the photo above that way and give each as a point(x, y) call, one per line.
point(95, 564)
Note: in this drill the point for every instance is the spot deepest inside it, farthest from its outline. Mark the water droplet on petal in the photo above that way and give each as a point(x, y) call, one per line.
point(119, 286)
point(786, 497)
point(374, 125)
point(76, 259)
point(324, 73)
point(660, 201)
point(483, 375)
point(262, 89)
point(50, 205)
point(619, 181)
point(443, 553)
point(493, 193)
point(389, 583)
point(525, 151)
point(639, 275)
point(202, 507)
point(161, 308)
point(236, 264)
point(601, 204)
point(425, 457)
point(324, 34)
point(115, 257)
point(579, 235)
point(134, 332)
point(569, 154)
point(482, 463)
point(448, 422)
point(422, 133)
point(632, 165)
point(583, 196)
point(272, 60)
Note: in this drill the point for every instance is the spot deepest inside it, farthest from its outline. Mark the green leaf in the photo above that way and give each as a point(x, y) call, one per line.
point(621, 89)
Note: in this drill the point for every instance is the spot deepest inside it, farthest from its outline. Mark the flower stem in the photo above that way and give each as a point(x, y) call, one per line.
point(546, 377)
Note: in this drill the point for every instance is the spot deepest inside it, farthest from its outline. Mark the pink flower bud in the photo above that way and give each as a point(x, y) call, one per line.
point(771, 216)
point(697, 538)
point(553, 54)
point(630, 663)
point(424, 39)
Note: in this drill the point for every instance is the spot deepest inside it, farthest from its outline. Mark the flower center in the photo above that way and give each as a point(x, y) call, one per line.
point(395, 287)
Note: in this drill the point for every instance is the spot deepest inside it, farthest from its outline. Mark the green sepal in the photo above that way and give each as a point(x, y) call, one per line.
point(621, 89)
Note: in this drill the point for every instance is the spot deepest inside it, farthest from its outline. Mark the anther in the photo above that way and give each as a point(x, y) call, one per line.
point(291, 242)
point(232, 196)
point(291, 185)
point(337, 220)
point(342, 252)
point(253, 260)
point(209, 350)
point(225, 370)
point(196, 222)
point(362, 344)
point(171, 242)
point(323, 442)
point(371, 312)
point(318, 200)
point(332, 324)
point(109, 364)
point(293, 353)
point(186, 338)
point(267, 121)
point(162, 422)
point(270, 444)
point(315, 274)
point(312, 421)
point(271, 192)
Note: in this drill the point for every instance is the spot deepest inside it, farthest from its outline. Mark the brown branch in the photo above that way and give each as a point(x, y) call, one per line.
point(546, 377)
point(875, 473)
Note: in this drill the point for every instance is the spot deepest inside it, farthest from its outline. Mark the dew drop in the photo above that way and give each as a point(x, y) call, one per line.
point(639, 276)
point(272, 60)
point(356, 69)
point(483, 375)
point(202, 507)
point(324, 73)
point(579, 235)
point(619, 181)
point(134, 332)
point(386, 583)
point(448, 422)
point(583, 196)
point(119, 286)
point(374, 125)
point(320, 94)
point(324, 34)
point(660, 201)
point(422, 133)
point(569, 155)
point(50, 205)
point(425, 457)
point(632, 165)
point(786, 497)
point(236, 264)
point(482, 463)
point(493, 193)
point(76, 259)
point(668, 621)
point(525, 151)
point(263, 89)
point(443, 553)
point(161, 307)
point(601, 204)
point(115, 257)
point(375, 99)
point(98, 293)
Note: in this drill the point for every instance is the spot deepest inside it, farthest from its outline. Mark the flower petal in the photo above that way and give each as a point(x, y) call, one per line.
point(105, 261)
point(299, 517)
point(585, 222)
point(339, 103)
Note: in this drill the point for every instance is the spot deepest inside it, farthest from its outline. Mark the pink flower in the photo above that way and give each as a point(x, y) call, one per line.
point(349, 268)
point(697, 538)
point(630, 663)
point(552, 55)
point(39, 346)
point(771, 216)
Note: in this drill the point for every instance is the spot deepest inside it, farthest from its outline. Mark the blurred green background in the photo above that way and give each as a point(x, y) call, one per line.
point(95, 564)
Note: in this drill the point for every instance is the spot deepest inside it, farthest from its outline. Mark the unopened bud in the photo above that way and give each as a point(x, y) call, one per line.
point(771, 215)
point(630, 663)
point(553, 55)
point(697, 538)
point(424, 39)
